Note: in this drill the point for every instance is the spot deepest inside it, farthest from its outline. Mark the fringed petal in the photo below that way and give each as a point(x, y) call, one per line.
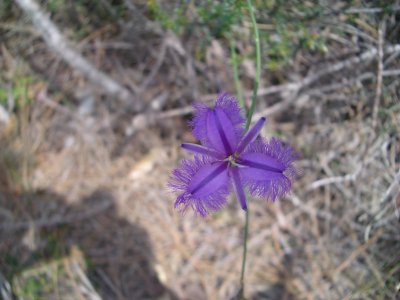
point(203, 185)
point(220, 127)
point(267, 168)
point(230, 105)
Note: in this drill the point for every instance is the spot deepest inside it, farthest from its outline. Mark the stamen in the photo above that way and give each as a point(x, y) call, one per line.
point(250, 135)
point(237, 184)
point(201, 150)
point(256, 165)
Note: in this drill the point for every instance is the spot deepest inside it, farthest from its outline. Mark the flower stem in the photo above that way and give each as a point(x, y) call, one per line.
point(245, 234)
point(258, 63)
point(249, 117)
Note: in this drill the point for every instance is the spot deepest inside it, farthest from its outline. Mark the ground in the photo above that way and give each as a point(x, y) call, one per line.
point(82, 169)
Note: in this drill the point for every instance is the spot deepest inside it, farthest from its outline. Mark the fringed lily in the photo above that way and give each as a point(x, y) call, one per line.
point(230, 157)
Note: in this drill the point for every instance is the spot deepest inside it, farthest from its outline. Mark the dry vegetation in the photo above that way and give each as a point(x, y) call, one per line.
point(80, 168)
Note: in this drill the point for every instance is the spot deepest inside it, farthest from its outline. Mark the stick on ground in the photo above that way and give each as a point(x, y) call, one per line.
point(56, 41)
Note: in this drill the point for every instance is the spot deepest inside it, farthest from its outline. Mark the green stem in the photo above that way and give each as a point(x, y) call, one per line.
point(245, 234)
point(258, 63)
point(249, 116)
point(235, 67)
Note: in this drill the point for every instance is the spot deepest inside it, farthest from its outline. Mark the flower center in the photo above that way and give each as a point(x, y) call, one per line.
point(231, 159)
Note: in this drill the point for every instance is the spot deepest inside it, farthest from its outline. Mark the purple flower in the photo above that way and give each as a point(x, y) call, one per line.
point(230, 157)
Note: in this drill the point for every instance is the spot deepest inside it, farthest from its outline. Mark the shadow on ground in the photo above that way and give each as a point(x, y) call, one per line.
point(41, 226)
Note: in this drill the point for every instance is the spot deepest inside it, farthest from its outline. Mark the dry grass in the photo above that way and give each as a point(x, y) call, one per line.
point(76, 170)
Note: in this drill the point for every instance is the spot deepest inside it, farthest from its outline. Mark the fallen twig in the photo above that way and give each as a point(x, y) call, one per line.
point(370, 10)
point(366, 56)
point(55, 40)
point(358, 251)
point(147, 119)
point(378, 92)
point(392, 192)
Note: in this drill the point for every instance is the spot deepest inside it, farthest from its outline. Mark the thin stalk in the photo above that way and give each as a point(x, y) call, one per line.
point(258, 63)
point(245, 234)
point(249, 117)
point(235, 68)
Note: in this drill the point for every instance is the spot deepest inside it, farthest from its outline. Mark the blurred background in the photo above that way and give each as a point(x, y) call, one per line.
point(95, 96)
